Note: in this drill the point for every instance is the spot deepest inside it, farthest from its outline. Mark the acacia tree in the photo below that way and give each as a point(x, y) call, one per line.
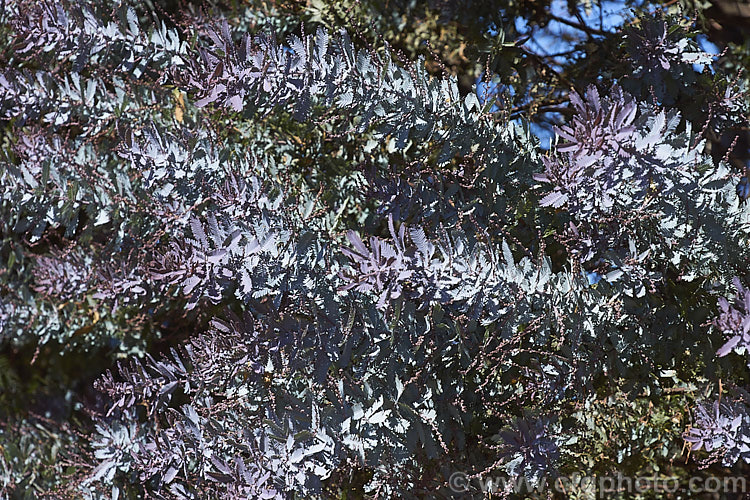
point(303, 255)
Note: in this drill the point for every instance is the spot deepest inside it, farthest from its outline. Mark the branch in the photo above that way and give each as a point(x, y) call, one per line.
point(549, 107)
point(579, 26)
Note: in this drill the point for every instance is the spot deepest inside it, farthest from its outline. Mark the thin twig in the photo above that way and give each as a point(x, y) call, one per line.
point(579, 26)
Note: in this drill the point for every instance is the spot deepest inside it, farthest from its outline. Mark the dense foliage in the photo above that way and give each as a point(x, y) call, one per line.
point(324, 249)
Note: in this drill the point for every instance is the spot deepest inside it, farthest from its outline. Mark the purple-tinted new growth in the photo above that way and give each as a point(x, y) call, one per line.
point(532, 449)
point(382, 269)
point(654, 49)
point(600, 125)
point(734, 320)
point(596, 138)
point(723, 427)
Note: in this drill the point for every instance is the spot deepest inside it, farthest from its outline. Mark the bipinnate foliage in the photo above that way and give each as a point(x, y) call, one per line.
point(722, 426)
point(320, 267)
point(723, 429)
